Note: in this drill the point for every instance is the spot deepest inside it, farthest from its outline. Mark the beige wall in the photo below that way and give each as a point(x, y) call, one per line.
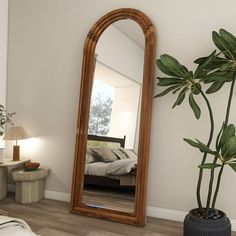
point(3, 49)
point(45, 55)
point(3, 53)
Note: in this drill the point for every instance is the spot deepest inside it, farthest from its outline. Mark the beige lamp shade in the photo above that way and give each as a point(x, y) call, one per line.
point(16, 133)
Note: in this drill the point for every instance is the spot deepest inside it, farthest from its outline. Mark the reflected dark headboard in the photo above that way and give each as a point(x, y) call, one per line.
point(121, 141)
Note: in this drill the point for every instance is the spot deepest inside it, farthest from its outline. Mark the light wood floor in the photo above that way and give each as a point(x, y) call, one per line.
point(109, 200)
point(52, 218)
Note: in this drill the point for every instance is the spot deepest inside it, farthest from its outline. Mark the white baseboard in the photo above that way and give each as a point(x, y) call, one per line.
point(167, 214)
point(174, 215)
point(60, 196)
point(233, 223)
point(156, 212)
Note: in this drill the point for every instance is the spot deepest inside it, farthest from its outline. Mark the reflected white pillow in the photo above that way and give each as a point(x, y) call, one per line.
point(125, 153)
point(91, 156)
point(105, 154)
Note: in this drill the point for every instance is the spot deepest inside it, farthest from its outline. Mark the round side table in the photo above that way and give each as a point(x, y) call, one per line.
point(29, 184)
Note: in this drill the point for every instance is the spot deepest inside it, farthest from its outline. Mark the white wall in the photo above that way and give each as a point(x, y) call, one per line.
point(110, 47)
point(3, 49)
point(3, 52)
point(46, 47)
point(124, 116)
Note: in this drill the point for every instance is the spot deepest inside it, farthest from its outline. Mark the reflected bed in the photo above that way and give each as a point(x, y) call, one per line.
point(108, 164)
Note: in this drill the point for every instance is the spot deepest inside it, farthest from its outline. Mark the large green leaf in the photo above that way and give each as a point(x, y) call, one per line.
point(215, 64)
point(233, 160)
point(226, 66)
point(163, 68)
point(204, 148)
point(209, 166)
point(222, 45)
point(216, 86)
point(188, 75)
point(196, 109)
point(230, 153)
point(167, 91)
point(233, 166)
point(176, 90)
point(223, 76)
point(231, 142)
point(201, 146)
point(218, 60)
point(192, 143)
point(229, 38)
point(204, 62)
point(180, 97)
point(228, 132)
point(173, 65)
point(168, 81)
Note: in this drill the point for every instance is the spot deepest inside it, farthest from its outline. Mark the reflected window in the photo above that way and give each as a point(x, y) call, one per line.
point(100, 108)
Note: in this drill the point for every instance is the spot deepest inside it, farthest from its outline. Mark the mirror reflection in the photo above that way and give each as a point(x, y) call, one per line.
point(113, 129)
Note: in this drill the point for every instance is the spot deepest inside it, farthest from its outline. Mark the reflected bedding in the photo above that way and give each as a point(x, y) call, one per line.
point(115, 168)
point(116, 163)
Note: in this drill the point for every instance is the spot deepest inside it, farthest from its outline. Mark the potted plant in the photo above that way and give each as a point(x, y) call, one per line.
point(212, 71)
point(4, 119)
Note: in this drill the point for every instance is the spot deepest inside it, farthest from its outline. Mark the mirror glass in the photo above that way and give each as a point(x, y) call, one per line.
point(114, 119)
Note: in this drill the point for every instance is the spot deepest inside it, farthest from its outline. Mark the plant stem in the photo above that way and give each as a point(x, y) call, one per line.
point(217, 186)
point(205, 154)
point(211, 184)
point(216, 157)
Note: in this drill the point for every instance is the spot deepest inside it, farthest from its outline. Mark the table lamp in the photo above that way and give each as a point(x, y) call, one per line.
point(16, 133)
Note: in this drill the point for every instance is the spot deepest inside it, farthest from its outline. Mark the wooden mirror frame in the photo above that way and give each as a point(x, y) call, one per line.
point(138, 216)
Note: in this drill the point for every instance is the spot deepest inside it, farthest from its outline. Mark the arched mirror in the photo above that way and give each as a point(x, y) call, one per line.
point(112, 143)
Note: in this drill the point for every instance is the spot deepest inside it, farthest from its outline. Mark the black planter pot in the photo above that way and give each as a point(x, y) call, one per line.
point(194, 226)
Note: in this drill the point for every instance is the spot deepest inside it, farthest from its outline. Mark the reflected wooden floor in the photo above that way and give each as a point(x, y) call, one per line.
point(52, 218)
point(108, 199)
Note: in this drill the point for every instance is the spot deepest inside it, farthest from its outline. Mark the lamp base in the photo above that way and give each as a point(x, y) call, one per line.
point(16, 153)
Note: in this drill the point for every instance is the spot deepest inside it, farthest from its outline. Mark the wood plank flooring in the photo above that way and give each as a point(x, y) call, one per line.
point(109, 200)
point(52, 218)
